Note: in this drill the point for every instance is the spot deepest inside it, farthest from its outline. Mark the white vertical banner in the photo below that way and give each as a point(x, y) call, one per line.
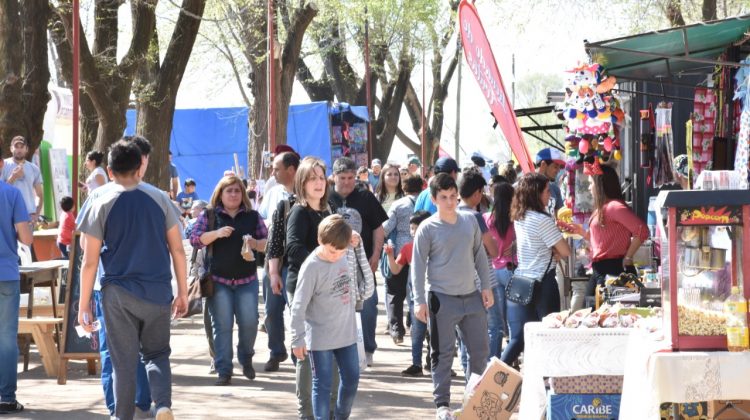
point(58, 161)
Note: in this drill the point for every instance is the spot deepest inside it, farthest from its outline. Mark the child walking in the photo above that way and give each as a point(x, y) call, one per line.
point(323, 318)
point(448, 250)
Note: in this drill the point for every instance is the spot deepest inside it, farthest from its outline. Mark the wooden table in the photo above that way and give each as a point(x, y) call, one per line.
point(41, 329)
point(41, 273)
point(45, 244)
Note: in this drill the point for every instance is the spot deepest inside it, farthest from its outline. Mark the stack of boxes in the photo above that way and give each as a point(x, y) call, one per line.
point(584, 397)
point(704, 127)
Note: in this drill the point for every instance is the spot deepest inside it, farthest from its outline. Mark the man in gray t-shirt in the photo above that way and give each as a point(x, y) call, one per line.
point(447, 251)
point(25, 176)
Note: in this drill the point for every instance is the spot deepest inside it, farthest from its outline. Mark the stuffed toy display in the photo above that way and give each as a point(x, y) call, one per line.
point(592, 115)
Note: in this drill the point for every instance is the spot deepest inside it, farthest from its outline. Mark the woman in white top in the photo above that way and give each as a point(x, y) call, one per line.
point(539, 244)
point(97, 176)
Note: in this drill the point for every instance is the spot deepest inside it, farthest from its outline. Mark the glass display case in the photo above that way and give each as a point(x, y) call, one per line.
point(702, 257)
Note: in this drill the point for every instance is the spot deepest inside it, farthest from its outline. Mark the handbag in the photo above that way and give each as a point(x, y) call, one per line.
point(520, 288)
point(206, 281)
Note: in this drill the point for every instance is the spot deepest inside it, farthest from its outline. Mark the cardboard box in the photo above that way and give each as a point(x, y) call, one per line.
point(583, 406)
point(589, 384)
point(496, 395)
point(684, 411)
point(730, 413)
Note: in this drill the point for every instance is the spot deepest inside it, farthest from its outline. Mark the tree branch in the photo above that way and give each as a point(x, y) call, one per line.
point(411, 144)
point(293, 44)
point(180, 46)
point(144, 22)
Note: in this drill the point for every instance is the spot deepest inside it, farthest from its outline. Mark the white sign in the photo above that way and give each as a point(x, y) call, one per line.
point(58, 162)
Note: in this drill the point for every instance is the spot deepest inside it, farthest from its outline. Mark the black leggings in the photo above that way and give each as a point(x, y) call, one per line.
point(602, 268)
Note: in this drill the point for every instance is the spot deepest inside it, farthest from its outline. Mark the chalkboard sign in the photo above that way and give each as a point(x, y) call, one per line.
point(76, 347)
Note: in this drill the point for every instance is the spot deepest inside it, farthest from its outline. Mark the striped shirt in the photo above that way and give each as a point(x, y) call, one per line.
point(536, 234)
point(612, 239)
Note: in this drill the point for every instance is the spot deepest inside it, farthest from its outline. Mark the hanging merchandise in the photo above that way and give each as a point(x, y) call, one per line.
point(704, 127)
point(742, 95)
point(664, 145)
point(592, 114)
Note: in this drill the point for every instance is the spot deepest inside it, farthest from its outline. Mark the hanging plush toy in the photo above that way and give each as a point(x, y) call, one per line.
point(592, 114)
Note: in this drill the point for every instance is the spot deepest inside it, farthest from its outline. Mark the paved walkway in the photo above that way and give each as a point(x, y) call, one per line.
point(383, 393)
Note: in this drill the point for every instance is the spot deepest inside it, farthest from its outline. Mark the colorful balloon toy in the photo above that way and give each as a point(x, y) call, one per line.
point(592, 115)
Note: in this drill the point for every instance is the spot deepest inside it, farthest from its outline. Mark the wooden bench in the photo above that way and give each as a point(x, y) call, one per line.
point(42, 330)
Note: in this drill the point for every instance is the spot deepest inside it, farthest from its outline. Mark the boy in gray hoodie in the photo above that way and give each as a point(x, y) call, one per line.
point(323, 318)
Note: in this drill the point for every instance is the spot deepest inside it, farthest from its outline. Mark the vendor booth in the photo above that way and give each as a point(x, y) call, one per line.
point(669, 110)
point(329, 131)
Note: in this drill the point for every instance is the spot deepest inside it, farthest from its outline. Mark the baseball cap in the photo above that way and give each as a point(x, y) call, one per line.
point(478, 159)
point(376, 162)
point(446, 165)
point(550, 154)
point(17, 139)
point(415, 160)
point(281, 148)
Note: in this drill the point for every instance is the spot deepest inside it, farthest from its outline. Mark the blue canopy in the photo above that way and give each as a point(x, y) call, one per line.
point(203, 143)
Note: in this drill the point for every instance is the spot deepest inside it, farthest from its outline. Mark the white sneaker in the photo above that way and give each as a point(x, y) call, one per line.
point(444, 413)
point(164, 413)
point(368, 357)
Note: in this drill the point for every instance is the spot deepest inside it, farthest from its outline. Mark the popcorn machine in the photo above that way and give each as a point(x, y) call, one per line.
point(702, 258)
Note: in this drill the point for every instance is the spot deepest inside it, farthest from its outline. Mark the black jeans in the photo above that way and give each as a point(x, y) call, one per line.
point(602, 268)
point(395, 287)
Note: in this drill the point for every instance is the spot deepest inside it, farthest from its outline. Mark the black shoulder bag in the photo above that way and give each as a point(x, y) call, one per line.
point(207, 282)
point(520, 288)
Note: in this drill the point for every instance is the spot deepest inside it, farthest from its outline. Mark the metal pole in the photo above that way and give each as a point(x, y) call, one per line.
point(76, 99)
point(458, 99)
point(271, 79)
point(367, 87)
point(424, 104)
point(513, 82)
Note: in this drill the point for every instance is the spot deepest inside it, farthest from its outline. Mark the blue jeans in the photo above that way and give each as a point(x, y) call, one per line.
point(546, 299)
point(142, 389)
point(322, 369)
point(496, 314)
point(369, 322)
point(10, 292)
point(418, 332)
point(274, 322)
point(228, 303)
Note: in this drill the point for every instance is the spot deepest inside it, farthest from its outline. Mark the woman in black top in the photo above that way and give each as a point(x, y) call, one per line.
point(311, 190)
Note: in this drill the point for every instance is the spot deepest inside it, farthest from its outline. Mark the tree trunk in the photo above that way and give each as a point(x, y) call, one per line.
point(673, 10)
point(11, 79)
point(36, 70)
point(156, 101)
point(708, 11)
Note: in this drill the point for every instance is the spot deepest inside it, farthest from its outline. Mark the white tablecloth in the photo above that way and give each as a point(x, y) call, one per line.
point(655, 375)
point(567, 352)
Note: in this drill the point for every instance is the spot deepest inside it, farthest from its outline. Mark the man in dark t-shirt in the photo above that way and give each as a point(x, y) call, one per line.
point(365, 215)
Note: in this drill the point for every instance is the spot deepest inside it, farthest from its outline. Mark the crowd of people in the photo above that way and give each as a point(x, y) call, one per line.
point(446, 247)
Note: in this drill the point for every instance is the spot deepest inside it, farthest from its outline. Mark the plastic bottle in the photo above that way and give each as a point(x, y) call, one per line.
point(735, 307)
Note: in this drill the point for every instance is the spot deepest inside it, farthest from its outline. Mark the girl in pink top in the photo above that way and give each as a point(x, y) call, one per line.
point(501, 228)
point(615, 232)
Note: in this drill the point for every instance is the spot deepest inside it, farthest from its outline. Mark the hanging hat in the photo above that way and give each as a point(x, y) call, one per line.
point(680, 165)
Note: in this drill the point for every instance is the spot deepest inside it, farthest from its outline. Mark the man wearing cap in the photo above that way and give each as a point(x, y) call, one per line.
point(443, 165)
point(414, 165)
point(374, 176)
point(548, 163)
point(25, 176)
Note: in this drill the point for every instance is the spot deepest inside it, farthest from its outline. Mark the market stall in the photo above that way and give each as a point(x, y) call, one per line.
point(329, 131)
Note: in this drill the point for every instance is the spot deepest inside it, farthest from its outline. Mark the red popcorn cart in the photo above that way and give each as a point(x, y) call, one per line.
point(702, 257)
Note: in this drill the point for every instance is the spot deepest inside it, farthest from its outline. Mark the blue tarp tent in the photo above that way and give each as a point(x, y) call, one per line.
point(203, 143)
point(308, 129)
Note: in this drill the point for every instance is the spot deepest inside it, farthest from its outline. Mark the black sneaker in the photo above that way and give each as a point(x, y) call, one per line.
point(272, 365)
point(413, 371)
point(223, 380)
point(11, 407)
point(248, 370)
